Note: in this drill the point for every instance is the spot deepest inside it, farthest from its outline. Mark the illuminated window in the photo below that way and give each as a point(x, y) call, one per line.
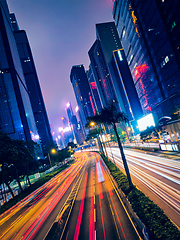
point(130, 60)
point(173, 25)
point(163, 63)
point(123, 32)
point(120, 56)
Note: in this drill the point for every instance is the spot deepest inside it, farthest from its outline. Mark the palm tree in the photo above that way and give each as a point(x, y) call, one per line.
point(110, 115)
point(94, 133)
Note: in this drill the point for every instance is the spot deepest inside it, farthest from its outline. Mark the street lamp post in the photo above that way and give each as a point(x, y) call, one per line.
point(53, 151)
point(50, 160)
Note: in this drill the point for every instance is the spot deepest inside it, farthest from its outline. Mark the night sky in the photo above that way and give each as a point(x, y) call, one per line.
point(60, 33)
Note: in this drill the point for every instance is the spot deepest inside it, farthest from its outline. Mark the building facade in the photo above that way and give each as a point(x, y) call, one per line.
point(81, 89)
point(94, 95)
point(150, 36)
point(101, 74)
point(16, 115)
point(33, 86)
point(111, 71)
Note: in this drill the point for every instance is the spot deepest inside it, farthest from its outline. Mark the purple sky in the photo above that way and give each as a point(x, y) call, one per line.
point(60, 33)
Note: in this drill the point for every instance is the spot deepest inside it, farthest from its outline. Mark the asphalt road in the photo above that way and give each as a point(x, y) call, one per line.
point(98, 212)
point(33, 216)
point(157, 176)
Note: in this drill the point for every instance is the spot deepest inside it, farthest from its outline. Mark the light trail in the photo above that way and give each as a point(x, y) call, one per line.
point(92, 216)
point(38, 205)
point(151, 168)
point(159, 174)
point(78, 224)
point(113, 208)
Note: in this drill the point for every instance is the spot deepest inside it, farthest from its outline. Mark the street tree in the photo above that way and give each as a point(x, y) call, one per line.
point(111, 116)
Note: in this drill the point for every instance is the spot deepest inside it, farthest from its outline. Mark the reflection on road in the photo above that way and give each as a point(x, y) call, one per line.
point(97, 213)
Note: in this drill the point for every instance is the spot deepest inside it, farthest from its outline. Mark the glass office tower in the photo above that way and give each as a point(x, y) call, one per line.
point(94, 95)
point(149, 32)
point(81, 89)
point(111, 72)
point(33, 86)
point(16, 116)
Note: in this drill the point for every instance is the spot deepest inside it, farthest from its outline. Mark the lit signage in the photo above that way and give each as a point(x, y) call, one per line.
point(145, 122)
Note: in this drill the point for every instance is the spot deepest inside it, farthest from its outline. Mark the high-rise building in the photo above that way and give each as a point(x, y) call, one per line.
point(72, 122)
point(16, 115)
point(110, 69)
point(101, 74)
point(81, 129)
point(93, 95)
point(65, 122)
point(150, 35)
point(69, 111)
point(77, 130)
point(33, 86)
point(81, 89)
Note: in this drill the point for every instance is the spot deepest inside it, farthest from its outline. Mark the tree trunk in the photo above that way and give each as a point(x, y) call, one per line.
point(10, 189)
point(123, 157)
point(17, 178)
point(28, 176)
point(100, 145)
point(28, 180)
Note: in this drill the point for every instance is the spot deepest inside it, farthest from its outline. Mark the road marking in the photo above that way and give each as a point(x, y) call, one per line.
point(94, 215)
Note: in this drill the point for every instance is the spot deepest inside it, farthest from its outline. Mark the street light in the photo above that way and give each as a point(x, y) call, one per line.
point(52, 151)
point(92, 124)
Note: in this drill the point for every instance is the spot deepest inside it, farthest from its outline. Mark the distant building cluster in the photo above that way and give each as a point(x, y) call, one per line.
point(22, 111)
point(134, 61)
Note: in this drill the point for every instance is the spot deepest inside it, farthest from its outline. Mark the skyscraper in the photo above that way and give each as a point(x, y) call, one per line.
point(16, 115)
point(81, 89)
point(149, 32)
point(69, 111)
point(101, 74)
point(94, 95)
point(112, 73)
point(33, 86)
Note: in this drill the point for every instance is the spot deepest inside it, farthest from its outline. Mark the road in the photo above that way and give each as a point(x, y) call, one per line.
point(97, 212)
point(34, 215)
point(158, 177)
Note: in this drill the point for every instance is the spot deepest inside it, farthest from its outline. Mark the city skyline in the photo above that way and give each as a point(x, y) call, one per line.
point(53, 47)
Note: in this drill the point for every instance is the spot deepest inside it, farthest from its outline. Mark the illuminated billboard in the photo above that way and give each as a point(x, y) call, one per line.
point(145, 122)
